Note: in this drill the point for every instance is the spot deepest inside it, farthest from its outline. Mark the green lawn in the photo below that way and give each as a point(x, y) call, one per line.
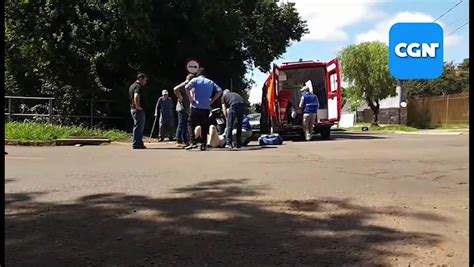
point(47, 132)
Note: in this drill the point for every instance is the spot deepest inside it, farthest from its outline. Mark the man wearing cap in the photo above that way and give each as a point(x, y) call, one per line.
point(202, 92)
point(309, 103)
point(164, 109)
point(236, 105)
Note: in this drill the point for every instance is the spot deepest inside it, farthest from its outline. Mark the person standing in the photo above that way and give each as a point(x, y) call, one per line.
point(236, 105)
point(246, 131)
point(202, 92)
point(135, 94)
point(182, 108)
point(309, 103)
point(164, 109)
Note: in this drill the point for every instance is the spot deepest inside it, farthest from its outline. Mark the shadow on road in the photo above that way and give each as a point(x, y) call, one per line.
point(338, 136)
point(214, 223)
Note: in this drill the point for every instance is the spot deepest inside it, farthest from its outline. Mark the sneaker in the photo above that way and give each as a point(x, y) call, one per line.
point(203, 147)
point(191, 147)
point(161, 139)
point(228, 146)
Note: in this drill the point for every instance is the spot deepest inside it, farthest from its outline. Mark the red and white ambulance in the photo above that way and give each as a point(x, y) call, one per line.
point(282, 90)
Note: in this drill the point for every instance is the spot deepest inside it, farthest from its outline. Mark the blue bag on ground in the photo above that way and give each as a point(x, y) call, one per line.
point(270, 139)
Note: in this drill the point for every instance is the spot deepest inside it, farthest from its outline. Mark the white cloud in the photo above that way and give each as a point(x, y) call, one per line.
point(327, 19)
point(255, 95)
point(381, 29)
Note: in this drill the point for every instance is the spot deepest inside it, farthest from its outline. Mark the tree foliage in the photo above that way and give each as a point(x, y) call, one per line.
point(452, 81)
point(82, 49)
point(365, 68)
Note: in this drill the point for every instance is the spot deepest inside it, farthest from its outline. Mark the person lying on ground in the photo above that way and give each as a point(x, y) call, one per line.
point(213, 138)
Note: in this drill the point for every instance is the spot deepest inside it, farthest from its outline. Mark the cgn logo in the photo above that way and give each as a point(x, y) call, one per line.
point(416, 50)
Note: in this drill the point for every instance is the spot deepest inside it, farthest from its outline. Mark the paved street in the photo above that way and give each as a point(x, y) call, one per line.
point(387, 199)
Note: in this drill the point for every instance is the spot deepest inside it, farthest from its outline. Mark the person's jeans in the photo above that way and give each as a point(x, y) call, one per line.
point(182, 129)
point(308, 125)
point(236, 113)
point(138, 126)
point(198, 117)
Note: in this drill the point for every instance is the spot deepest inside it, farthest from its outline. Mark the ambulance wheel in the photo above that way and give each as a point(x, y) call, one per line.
point(326, 132)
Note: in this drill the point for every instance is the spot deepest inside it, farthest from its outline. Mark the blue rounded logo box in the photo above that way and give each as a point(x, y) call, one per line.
point(416, 51)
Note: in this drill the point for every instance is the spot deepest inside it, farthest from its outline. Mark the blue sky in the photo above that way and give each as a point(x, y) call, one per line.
point(334, 24)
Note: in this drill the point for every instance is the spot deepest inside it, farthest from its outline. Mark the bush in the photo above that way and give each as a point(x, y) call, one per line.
point(48, 132)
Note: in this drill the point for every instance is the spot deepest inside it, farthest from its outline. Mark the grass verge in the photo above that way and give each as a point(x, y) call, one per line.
point(40, 132)
point(382, 128)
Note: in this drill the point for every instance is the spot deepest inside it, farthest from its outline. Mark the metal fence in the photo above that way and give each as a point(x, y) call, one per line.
point(11, 109)
point(438, 110)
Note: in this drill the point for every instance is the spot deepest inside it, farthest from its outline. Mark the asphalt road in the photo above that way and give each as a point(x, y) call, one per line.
point(357, 199)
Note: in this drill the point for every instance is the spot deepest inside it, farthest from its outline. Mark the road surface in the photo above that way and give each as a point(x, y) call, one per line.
point(355, 200)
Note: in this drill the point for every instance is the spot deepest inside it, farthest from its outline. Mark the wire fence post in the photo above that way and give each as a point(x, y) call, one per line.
point(447, 108)
point(92, 112)
point(9, 109)
point(50, 110)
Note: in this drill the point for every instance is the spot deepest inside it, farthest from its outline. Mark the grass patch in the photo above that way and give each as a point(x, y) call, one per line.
point(382, 128)
point(47, 132)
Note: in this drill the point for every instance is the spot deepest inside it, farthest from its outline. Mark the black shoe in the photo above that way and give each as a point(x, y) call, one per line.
point(203, 147)
point(139, 147)
point(161, 139)
point(191, 147)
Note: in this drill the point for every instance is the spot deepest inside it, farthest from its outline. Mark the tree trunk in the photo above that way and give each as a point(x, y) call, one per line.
point(375, 111)
point(375, 118)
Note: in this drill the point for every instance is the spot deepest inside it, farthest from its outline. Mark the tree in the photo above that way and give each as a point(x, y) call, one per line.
point(352, 97)
point(81, 49)
point(365, 67)
point(452, 81)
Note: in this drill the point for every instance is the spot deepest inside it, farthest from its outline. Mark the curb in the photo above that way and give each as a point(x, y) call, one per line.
point(29, 143)
point(431, 133)
point(58, 142)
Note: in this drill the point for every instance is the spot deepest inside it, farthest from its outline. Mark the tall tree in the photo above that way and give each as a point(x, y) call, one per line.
point(365, 68)
point(78, 49)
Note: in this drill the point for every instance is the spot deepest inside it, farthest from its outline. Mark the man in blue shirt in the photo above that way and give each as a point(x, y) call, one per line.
point(309, 104)
point(202, 92)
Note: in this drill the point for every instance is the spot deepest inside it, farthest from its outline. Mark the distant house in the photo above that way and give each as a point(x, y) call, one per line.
point(390, 111)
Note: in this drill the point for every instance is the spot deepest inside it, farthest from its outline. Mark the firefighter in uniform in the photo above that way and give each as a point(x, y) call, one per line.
point(309, 104)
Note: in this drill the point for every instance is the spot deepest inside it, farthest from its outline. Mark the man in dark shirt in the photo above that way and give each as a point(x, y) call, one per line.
point(135, 94)
point(235, 103)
